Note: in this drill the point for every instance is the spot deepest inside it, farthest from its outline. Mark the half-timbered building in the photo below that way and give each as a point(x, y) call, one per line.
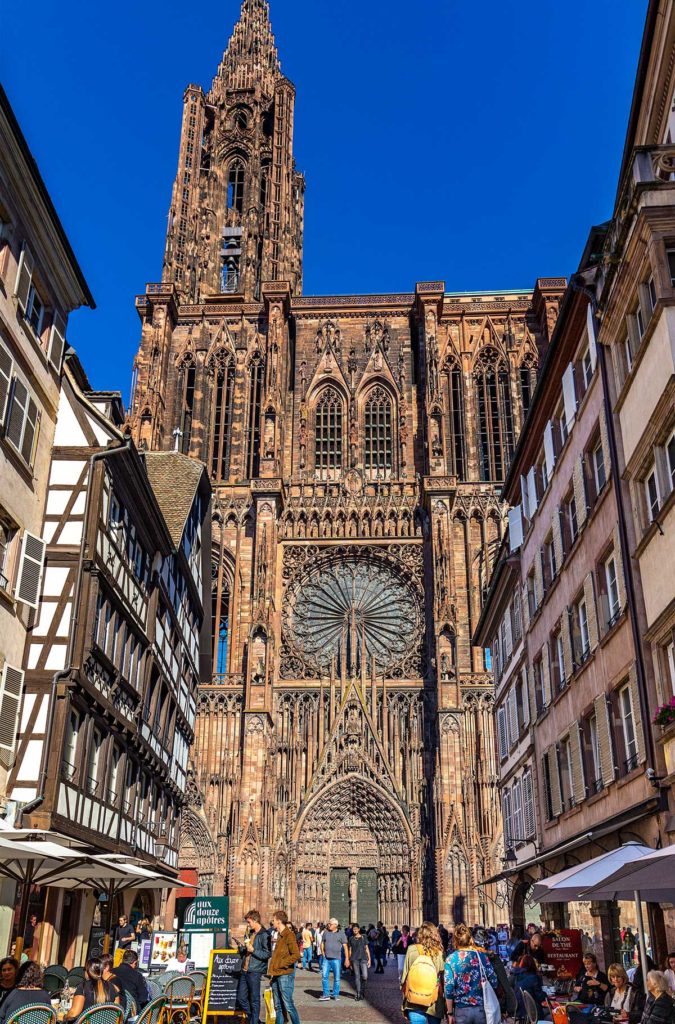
point(118, 646)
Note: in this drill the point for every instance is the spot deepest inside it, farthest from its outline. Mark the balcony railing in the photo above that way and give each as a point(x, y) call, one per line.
point(630, 763)
point(597, 785)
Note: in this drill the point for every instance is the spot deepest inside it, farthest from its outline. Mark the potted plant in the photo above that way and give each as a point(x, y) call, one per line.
point(665, 715)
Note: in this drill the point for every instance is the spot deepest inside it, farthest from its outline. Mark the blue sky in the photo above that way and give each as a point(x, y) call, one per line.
point(470, 142)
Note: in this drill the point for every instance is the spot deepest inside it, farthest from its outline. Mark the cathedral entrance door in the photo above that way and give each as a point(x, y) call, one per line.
point(367, 909)
point(339, 895)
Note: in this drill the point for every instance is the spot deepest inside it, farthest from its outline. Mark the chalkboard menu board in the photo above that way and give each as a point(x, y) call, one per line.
point(222, 981)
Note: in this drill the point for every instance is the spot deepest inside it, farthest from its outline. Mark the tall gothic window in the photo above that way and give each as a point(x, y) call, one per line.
point(253, 418)
point(494, 415)
point(377, 434)
point(223, 392)
point(454, 403)
point(328, 437)
point(187, 379)
point(221, 630)
point(528, 380)
point(235, 186)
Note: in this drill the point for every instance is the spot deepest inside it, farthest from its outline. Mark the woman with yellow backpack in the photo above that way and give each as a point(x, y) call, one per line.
point(421, 980)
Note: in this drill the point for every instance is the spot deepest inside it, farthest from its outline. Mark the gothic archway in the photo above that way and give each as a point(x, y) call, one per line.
point(354, 827)
point(197, 849)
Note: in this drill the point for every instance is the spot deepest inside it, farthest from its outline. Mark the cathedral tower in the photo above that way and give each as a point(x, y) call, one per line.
point(344, 761)
point(237, 202)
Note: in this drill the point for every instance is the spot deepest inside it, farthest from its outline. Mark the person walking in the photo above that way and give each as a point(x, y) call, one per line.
point(258, 945)
point(333, 945)
point(507, 997)
point(380, 947)
point(464, 968)
point(282, 968)
point(359, 958)
point(318, 943)
point(307, 943)
point(421, 983)
point(400, 948)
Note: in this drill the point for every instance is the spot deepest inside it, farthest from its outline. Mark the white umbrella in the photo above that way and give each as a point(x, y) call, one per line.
point(567, 885)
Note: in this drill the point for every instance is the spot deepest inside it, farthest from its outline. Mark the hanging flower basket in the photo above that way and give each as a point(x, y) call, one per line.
point(665, 715)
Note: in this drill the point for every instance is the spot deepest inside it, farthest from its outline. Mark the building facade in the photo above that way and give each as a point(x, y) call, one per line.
point(40, 284)
point(356, 444)
point(592, 490)
point(118, 645)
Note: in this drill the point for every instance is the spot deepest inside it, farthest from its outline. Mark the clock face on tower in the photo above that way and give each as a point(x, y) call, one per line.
point(343, 608)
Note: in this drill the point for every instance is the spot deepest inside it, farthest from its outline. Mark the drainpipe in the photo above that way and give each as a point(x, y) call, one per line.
point(577, 286)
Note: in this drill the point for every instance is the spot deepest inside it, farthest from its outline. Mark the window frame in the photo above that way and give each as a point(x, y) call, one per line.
point(612, 590)
point(626, 717)
point(598, 456)
point(653, 505)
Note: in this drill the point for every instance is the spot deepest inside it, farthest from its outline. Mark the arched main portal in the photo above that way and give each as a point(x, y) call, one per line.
point(354, 856)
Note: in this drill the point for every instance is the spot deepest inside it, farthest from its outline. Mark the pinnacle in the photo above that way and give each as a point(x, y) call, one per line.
point(251, 56)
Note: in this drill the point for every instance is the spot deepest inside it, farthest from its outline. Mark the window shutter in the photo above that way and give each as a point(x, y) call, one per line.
point(526, 696)
point(554, 776)
point(30, 432)
point(6, 365)
point(518, 827)
point(501, 725)
point(637, 713)
point(532, 689)
point(580, 491)
point(57, 342)
point(549, 449)
point(513, 717)
point(515, 527)
point(508, 826)
point(569, 396)
point(30, 569)
point(525, 497)
point(578, 784)
point(568, 651)
point(591, 613)
point(546, 674)
point(525, 606)
point(17, 412)
point(532, 496)
point(24, 276)
point(607, 766)
point(556, 528)
point(528, 804)
point(620, 581)
point(538, 578)
point(11, 687)
point(508, 635)
point(592, 346)
point(604, 440)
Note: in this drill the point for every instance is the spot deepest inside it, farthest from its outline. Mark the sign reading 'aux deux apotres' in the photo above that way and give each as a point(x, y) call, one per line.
point(207, 913)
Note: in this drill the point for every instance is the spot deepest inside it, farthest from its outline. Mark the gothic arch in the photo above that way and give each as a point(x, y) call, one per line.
point(378, 415)
point(328, 407)
point(494, 412)
point(197, 849)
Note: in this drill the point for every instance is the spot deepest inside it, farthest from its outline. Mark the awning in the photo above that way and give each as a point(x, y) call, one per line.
point(627, 817)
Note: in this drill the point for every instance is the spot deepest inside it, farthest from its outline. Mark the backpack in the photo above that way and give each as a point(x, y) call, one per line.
point(421, 984)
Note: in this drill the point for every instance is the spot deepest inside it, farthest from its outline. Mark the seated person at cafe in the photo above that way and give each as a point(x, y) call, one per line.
point(537, 948)
point(178, 962)
point(622, 996)
point(526, 978)
point(30, 990)
point(8, 969)
point(659, 1007)
point(95, 989)
point(592, 984)
point(129, 978)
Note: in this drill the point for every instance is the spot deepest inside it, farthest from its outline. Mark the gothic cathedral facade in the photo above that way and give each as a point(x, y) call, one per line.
point(344, 758)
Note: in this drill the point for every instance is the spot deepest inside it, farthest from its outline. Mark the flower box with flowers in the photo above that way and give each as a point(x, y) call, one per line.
point(665, 714)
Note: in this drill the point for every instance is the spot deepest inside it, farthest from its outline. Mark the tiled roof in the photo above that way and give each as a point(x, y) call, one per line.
point(175, 479)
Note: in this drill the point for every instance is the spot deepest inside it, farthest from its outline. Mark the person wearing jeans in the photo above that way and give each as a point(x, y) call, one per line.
point(282, 968)
point(359, 957)
point(334, 942)
point(259, 949)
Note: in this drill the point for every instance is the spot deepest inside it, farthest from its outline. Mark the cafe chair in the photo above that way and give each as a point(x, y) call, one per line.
point(58, 969)
point(105, 1013)
point(167, 977)
point(180, 993)
point(531, 1012)
point(199, 978)
point(154, 990)
point(35, 1013)
point(53, 982)
point(153, 1012)
point(75, 976)
point(130, 1008)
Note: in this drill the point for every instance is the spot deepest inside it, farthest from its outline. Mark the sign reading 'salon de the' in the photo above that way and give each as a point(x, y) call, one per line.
point(207, 913)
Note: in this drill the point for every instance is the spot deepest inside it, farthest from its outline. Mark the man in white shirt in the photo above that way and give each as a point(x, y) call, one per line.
point(177, 962)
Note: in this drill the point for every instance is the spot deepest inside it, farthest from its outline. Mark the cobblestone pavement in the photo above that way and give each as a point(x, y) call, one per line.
point(382, 1001)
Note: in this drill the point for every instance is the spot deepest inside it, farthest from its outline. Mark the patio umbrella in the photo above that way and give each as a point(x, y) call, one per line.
point(650, 878)
point(566, 886)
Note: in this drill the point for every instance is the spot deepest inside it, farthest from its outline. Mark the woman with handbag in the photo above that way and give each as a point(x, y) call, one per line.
point(470, 983)
point(421, 983)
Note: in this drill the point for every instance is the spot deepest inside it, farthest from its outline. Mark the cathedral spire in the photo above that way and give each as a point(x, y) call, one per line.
point(251, 56)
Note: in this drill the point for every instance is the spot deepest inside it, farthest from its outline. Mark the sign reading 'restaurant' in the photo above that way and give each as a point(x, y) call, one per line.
point(207, 913)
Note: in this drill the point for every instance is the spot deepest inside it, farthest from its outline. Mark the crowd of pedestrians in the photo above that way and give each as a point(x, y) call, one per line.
point(460, 974)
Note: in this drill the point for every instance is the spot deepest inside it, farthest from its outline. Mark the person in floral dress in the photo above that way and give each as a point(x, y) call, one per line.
point(463, 987)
